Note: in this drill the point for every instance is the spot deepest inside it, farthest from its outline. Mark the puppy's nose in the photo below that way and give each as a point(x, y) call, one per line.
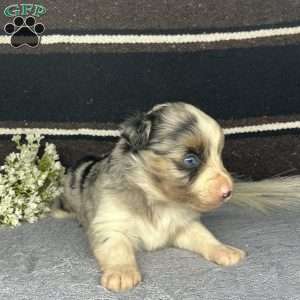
point(225, 192)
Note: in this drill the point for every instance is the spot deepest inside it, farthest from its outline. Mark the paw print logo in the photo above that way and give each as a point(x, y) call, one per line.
point(24, 32)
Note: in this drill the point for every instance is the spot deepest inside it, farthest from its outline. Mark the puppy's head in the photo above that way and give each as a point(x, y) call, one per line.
point(179, 148)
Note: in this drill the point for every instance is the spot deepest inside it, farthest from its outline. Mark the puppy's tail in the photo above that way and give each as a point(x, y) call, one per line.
point(269, 195)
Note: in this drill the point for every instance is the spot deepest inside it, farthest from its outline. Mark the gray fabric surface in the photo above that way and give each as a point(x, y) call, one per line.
point(51, 260)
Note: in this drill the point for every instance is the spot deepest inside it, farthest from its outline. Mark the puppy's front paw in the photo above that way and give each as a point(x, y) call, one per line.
point(121, 279)
point(225, 255)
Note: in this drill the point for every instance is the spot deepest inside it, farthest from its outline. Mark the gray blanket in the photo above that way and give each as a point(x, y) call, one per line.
point(51, 260)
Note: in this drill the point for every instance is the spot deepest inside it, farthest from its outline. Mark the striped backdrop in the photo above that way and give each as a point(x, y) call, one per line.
point(100, 61)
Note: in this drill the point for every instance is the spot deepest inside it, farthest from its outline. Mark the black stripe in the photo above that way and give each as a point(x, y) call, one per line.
point(83, 160)
point(85, 173)
point(93, 160)
point(80, 162)
point(228, 84)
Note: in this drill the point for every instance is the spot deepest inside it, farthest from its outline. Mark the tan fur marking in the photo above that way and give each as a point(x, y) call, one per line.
point(164, 176)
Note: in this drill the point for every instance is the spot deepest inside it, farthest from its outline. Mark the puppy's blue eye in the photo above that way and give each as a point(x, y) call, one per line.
point(191, 161)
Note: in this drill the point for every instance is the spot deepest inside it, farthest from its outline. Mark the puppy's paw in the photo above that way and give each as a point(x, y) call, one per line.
point(225, 255)
point(119, 280)
point(61, 214)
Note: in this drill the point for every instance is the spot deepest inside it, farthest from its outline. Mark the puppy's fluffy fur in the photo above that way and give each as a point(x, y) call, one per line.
point(143, 195)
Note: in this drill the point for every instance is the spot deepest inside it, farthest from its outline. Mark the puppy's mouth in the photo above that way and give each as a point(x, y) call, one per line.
point(206, 202)
point(205, 206)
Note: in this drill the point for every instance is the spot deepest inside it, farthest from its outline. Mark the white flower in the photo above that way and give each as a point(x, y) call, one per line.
point(16, 139)
point(29, 184)
point(13, 220)
point(11, 157)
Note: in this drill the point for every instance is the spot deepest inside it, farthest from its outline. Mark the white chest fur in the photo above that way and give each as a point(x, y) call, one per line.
point(159, 229)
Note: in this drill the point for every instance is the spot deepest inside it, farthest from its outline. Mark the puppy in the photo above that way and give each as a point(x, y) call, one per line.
point(150, 191)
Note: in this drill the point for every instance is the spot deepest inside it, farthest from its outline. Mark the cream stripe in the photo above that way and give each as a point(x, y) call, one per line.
point(57, 131)
point(167, 39)
point(4, 39)
point(115, 133)
point(263, 127)
point(162, 38)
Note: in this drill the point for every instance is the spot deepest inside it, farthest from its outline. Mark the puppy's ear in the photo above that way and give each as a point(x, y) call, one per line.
point(136, 131)
point(158, 107)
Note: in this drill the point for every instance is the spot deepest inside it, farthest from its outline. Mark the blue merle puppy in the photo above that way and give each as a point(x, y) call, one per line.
point(150, 191)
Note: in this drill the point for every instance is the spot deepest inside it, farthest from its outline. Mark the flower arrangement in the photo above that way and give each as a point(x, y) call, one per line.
point(29, 182)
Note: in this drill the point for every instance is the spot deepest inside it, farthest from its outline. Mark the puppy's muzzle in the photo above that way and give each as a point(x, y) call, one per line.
point(221, 189)
point(225, 192)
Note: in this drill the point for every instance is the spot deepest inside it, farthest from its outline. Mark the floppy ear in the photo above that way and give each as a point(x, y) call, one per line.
point(136, 131)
